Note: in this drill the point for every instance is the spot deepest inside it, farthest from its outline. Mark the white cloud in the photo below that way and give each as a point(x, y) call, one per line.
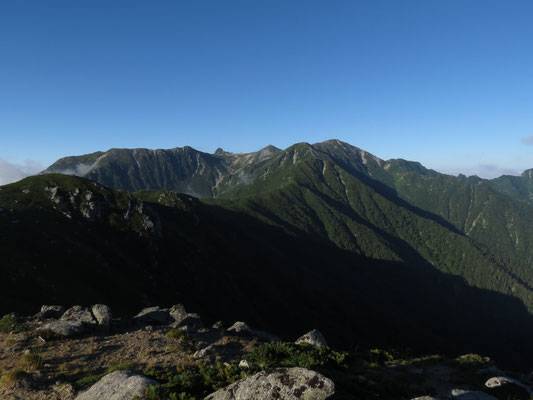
point(10, 172)
point(527, 140)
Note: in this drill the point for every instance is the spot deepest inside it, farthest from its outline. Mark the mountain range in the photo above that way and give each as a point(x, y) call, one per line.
point(329, 235)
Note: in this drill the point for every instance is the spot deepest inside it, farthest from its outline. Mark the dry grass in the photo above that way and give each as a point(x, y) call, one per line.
point(10, 378)
point(30, 362)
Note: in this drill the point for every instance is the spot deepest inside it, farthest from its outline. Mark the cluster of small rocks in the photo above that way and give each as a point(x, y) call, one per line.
point(54, 322)
point(59, 322)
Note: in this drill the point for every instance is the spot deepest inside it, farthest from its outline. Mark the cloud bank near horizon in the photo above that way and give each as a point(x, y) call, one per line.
point(485, 171)
point(11, 172)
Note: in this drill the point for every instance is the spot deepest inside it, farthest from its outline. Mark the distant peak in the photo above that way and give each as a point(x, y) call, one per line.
point(336, 142)
point(220, 151)
point(270, 149)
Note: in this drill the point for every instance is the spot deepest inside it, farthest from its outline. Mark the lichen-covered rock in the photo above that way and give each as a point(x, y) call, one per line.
point(103, 315)
point(314, 338)
point(118, 385)
point(78, 313)
point(461, 394)
point(48, 312)
point(59, 329)
point(281, 384)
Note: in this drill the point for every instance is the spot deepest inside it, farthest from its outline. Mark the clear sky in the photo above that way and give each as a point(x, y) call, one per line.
point(448, 83)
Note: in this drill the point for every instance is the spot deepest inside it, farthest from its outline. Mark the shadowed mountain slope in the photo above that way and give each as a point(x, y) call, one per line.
point(69, 240)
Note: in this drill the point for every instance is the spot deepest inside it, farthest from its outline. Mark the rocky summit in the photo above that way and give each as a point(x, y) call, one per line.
point(84, 353)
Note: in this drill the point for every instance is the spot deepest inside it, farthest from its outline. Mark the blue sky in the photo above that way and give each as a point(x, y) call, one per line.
point(448, 83)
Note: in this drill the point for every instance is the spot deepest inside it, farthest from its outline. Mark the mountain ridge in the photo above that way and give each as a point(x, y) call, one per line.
point(329, 225)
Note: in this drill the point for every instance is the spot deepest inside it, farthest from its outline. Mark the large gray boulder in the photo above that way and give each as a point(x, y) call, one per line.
point(280, 384)
point(80, 314)
point(59, 329)
point(314, 338)
point(103, 316)
point(118, 385)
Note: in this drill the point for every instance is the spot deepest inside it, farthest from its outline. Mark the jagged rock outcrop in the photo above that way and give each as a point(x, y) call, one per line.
point(118, 385)
point(281, 384)
point(314, 338)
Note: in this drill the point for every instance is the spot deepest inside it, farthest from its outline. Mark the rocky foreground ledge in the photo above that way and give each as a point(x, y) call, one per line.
point(83, 353)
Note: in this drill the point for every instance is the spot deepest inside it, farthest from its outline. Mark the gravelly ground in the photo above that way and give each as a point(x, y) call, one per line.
point(68, 360)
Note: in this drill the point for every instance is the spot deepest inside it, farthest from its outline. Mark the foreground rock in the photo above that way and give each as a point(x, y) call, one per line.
point(314, 338)
point(118, 385)
point(59, 329)
point(281, 384)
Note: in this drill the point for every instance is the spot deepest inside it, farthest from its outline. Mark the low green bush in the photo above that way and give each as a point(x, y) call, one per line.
point(192, 383)
point(9, 324)
point(283, 354)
